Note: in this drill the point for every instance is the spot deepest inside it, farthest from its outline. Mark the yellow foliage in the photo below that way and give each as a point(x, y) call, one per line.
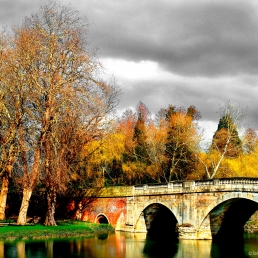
point(105, 151)
point(134, 171)
point(245, 165)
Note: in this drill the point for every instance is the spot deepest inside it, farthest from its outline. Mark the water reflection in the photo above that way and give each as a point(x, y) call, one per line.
point(157, 249)
point(128, 245)
point(228, 248)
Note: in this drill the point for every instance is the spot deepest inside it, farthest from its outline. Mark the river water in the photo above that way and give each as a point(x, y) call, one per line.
point(127, 245)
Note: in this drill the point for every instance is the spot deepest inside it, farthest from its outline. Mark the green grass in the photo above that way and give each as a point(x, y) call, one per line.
point(63, 229)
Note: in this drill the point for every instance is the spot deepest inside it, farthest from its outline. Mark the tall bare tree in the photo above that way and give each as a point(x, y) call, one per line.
point(11, 99)
point(64, 98)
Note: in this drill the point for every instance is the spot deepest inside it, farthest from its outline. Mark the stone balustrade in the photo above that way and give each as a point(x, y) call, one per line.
point(222, 184)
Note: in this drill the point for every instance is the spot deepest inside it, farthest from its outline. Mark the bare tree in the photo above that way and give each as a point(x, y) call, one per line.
point(65, 99)
point(10, 118)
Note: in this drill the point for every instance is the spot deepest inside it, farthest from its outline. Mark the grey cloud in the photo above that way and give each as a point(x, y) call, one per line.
point(207, 39)
point(206, 96)
point(197, 39)
point(12, 12)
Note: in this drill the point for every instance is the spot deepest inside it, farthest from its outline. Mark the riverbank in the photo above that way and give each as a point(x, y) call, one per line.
point(74, 228)
point(65, 228)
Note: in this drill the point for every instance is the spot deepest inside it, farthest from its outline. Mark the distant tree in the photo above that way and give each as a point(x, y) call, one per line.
point(226, 138)
point(140, 136)
point(126, 125)
point(226, 142)
point(250, 141)
point(245, 165)
point(157, 133)
point(181, 143)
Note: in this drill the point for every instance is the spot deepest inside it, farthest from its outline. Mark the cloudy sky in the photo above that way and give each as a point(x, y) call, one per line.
point(180, 52)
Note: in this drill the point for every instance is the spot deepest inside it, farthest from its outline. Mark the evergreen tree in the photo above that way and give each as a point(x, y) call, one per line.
point(227, 137)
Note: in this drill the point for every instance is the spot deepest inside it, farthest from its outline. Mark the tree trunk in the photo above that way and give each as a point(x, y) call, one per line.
point(22, 218)
point(3, 196)
point(29, 184)
point(51, 203)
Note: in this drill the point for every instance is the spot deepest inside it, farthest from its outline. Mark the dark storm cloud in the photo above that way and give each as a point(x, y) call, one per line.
point(207, 95)
point(211, 46)
point(187, 37)
point(207, 38)
point(213, 43)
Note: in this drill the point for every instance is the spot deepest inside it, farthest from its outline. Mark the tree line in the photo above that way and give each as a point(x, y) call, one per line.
point(146, 148)
point(58, 132)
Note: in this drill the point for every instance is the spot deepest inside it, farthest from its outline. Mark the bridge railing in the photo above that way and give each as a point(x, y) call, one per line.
point(200, 185)
point(218, 184)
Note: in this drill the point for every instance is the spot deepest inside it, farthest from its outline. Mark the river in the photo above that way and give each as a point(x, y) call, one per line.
point(127, 245)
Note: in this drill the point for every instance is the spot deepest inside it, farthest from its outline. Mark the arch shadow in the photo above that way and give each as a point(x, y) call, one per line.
point(222, 199)
point(101, 219)
point(228, 216)
point(161, 223)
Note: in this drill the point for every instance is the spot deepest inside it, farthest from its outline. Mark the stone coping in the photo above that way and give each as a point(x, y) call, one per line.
point(174, 187)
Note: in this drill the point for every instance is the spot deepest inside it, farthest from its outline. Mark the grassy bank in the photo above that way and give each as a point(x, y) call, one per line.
point(63, 229)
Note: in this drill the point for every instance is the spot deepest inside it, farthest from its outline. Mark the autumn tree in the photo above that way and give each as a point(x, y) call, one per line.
point(245, 165)
point(65, 99)
point(157, 133)
point(181, 142)
point(10, 119)
point(126, 126)
point(226, 138)
point(104, 158)
point(140, 137)
point(226, 142)
point(132, 130)
point(250, 141)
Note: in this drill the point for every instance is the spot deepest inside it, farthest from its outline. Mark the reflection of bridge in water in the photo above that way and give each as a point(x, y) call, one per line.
point(207, 209)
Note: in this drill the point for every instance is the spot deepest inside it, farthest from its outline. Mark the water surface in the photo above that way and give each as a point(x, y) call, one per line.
point(127, 245)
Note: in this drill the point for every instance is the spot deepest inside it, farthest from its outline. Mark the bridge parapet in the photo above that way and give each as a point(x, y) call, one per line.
point(174, 187)
point(224, 184)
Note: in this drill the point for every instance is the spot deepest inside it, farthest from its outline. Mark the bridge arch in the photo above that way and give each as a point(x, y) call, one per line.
point(167, 204)
point(159, 221)
point(224, 198)
point(227, 216)
point(101, 218)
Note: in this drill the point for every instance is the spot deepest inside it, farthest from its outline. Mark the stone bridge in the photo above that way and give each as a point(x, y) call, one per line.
point(210, 209)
